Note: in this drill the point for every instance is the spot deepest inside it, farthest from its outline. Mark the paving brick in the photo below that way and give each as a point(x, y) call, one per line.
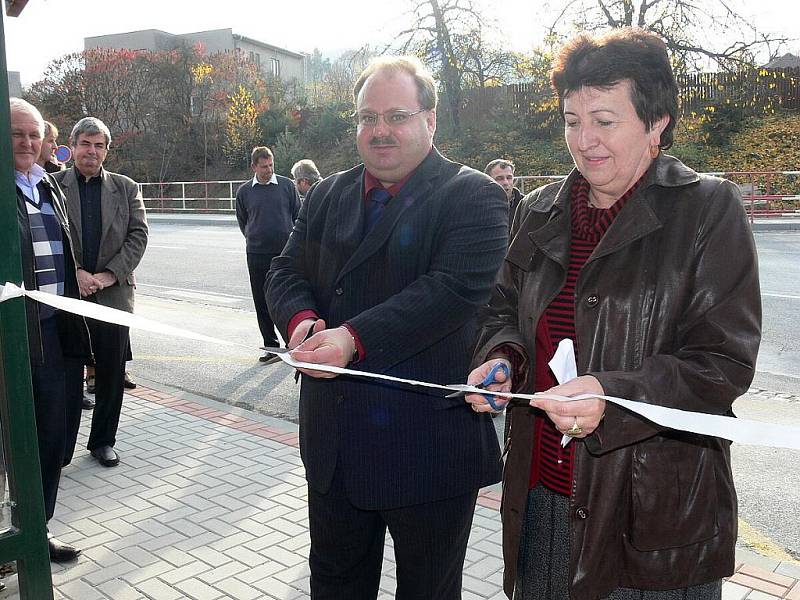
point(267, 569)
point(277, 589)
point(248, 557)
point(734, 591)
point(794, 593)
point(210, 556)
point(137, 556)
point(158, 590)
point(113, 572)
point(769, 576)
point(80, 590)
point(183, 573)
point(238, 589)
point(226, 571)
point(197, 590)
point(119, 590)
point(758, 584)
point(285, 557)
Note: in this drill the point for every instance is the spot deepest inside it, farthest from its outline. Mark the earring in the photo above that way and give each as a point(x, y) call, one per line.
point(654, 150)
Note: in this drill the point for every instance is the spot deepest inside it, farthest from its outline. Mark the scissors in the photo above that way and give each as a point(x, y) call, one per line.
point(276, 351)
point(489, 379)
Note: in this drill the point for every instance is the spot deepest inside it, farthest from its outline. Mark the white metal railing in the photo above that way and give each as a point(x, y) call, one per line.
point(220, 196)
point(204, 195)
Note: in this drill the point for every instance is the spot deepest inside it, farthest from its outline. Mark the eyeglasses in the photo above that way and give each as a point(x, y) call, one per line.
point(392, 118)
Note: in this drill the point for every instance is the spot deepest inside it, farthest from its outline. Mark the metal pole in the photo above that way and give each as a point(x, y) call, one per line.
point(28, 542)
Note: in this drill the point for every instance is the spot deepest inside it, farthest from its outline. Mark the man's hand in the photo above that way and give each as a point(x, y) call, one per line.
point(106, 279)
point(502, 384)
point(585, 414)
point(301, 331)
point(88, 284)
point(333, 347)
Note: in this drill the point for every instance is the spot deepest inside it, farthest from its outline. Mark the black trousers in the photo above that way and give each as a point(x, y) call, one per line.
point(73, 371)
point(258, 267)
point(109, 346)
point(49, 400)
point(430, 542)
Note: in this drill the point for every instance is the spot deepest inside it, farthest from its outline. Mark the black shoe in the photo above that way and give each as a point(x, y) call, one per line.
point(87, 403)
point(129, 383)
point(106, 456)
point(61, 552)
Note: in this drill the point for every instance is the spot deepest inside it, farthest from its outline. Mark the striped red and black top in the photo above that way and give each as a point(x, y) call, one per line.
point(552, 464)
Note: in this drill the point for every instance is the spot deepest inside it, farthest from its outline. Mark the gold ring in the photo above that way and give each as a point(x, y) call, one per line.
point(575, 429)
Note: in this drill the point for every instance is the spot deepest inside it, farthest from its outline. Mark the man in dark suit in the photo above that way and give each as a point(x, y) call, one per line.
point(109, 235)
point(47, 265)
point(502, 171)
point(388, 263)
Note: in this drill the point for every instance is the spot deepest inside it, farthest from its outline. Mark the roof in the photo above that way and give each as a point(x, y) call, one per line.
point(787, 61)
point(244, 38)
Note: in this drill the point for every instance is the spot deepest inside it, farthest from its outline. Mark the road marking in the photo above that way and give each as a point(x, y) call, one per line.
point(776, 295)
point(235, 252)
point(754, 539)
point(194, 293)
point(166, 247)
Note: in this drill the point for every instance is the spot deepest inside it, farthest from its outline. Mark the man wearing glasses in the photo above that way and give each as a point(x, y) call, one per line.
point(387, 265)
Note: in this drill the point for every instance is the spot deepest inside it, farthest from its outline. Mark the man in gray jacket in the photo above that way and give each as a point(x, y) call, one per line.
point(109, 235)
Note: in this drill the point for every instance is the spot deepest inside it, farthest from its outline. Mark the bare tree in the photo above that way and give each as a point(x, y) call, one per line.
point(451, 37)
point(698, 32)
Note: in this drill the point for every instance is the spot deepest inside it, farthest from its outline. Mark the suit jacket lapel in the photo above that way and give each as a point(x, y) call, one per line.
point(416, 189)
point(69, 185)
point(109, 207)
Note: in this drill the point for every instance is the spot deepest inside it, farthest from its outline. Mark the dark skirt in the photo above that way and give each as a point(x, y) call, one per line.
point(543, 569)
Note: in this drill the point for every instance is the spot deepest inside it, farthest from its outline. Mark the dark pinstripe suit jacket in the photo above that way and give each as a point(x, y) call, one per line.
point(410, 288)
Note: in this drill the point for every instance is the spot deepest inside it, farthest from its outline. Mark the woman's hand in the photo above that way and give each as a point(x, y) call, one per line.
point(568, 417)
point(501, 384)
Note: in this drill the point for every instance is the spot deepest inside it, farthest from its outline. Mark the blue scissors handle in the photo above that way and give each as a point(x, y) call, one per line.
point(489, 379)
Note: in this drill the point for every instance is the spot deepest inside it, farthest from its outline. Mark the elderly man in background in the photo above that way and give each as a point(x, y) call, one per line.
point(305, 174)
point(502, 171)
point(47, 265)
point(109, 235)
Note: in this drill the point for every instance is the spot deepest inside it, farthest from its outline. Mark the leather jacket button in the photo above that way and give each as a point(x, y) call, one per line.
point(592, 300)
point(339, 291)
point(581, 513)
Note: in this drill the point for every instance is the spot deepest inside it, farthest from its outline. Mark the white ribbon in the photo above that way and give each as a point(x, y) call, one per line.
point(743, 431)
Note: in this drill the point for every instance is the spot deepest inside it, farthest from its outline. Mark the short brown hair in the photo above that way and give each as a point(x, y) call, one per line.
point(426, 85)
point(627, 53)
point(258, 153)
point(499, 162)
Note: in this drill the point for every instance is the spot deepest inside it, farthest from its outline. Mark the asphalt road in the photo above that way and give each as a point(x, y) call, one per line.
point(195, 276)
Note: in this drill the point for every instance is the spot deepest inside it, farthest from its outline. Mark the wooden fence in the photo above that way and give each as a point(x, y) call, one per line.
point(534, 103)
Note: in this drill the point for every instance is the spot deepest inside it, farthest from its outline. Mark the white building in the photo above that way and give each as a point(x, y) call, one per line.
point(272, 60)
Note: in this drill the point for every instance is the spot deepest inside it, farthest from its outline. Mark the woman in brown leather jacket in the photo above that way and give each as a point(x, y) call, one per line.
point(651, 270)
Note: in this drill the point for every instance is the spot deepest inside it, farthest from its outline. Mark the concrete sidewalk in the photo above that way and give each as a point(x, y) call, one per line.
point(209, 502)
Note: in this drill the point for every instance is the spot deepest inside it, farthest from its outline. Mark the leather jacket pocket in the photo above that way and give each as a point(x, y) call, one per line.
point(674, 496)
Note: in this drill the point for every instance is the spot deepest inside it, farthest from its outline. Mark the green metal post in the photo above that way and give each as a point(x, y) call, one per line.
point(26, 542)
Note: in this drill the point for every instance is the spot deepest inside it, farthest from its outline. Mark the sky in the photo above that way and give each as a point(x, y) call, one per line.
point(48, 29)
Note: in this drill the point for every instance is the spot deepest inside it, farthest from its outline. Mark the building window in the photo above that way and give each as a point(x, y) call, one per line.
point(252, 56)
point(276, 67)
point(258, 59)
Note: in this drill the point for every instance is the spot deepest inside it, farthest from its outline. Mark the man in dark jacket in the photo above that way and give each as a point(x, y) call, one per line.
point(502, 171)
point(266, 208)
point(48, 266)
point(387, 265)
